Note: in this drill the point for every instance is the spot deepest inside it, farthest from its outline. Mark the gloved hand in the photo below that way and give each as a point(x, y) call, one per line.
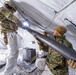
point(72, 64)
point(38, 41)
point(35, 36)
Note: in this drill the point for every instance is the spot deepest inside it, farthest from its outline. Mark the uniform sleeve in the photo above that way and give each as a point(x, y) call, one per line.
point(9, 15)
point(38, 41)
point(42, 46)
point(68, 44)
point(13, 18)
point(50, 50)
point(2, 17)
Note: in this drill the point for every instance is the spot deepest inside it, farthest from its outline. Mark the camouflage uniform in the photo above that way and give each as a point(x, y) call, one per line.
point(55, 61)
point(8, 22)
point(8, 25)
point(42, 46)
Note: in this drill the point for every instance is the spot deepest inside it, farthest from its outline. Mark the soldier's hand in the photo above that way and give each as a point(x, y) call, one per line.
point(72, 64)
point(35, 36)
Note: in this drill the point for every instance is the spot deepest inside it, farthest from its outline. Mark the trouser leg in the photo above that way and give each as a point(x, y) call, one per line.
point(40, 63)
point(46, 71)
point(12, 58)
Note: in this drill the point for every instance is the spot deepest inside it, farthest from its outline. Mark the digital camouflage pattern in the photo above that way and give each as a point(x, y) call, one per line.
point(8, 22)
point(11, 5)
point(61, 29)
point(42, 46)
point(55, 61)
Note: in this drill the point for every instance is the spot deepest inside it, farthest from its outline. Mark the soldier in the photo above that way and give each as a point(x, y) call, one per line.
point(57, 64)
point(9, 25)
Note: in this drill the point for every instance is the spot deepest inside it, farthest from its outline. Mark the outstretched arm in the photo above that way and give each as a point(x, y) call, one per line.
point(10, 16)
point(38, 41)
point(72, 64)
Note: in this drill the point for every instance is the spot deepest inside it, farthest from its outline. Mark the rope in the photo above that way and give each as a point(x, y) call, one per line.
point(67, 6)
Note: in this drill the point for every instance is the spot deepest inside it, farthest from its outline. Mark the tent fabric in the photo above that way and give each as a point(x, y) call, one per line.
point(43, 11)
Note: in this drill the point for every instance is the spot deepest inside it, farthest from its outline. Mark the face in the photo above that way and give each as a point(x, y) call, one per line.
point(56, 33)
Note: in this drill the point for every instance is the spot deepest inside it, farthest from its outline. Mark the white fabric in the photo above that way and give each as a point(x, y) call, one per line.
point(12, 58)
point(42, 53)
point(46, 71)
point(40, 63)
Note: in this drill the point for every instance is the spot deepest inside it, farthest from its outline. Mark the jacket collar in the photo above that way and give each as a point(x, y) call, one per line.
point(59, 37)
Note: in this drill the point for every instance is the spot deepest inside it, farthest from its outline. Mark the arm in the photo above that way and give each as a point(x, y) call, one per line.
point(70, 62)
point(13, 19)
point(9, 22)
point(50, 50)
point(42, 46)
point(38, 41)
point(9, 15)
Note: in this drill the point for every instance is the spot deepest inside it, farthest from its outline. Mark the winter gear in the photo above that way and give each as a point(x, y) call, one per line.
point(61, 29)
point(10, 5)
point(42, 46)
point(55, 61)
point(72, 64)
point(9, 23)
point(12, 58)
point(40, 63)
